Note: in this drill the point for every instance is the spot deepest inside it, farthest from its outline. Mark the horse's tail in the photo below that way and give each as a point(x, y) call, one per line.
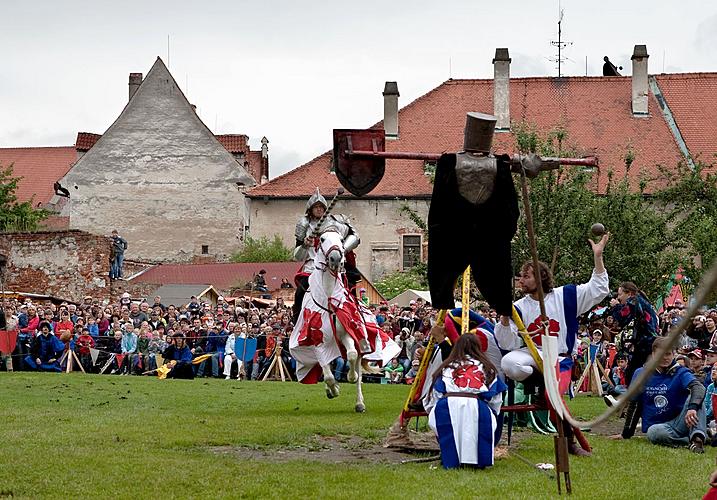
point(368, 369)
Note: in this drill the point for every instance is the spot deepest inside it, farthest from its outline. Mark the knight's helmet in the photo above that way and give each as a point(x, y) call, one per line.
point(478, 135)
point(316, 198)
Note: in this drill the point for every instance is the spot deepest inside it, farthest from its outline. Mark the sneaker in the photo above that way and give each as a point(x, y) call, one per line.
point(609, 400)
point(697, 445)
point(227, 377)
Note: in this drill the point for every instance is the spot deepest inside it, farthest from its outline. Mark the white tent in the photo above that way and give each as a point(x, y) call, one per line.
point(406, 297)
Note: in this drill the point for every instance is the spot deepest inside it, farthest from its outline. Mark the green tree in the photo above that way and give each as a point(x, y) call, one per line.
point(16, 216)
point(690, 199)
point(263, 250)
point(564, 205)
point(400, 281)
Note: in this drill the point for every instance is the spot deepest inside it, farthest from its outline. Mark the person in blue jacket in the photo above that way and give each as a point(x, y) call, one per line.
point(670, 405)
point(179, 357)
point(45, 351)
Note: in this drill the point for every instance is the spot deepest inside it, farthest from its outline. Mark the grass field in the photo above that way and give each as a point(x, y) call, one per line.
point(78, 436)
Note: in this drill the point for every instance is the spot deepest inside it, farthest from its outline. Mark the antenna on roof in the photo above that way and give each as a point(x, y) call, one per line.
point(560, 44)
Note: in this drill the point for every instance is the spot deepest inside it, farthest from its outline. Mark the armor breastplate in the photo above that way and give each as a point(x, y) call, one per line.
point(475, 176)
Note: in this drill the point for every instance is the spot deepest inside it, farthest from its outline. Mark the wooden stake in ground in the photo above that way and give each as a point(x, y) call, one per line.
point(562, 462)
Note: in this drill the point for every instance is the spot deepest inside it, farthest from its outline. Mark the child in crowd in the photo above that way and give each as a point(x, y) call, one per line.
point(394, 371)
point(83, 344)
point(155, 347)
point(129, 347)
point(92, 328)
point(413, 372)
point(139, 359)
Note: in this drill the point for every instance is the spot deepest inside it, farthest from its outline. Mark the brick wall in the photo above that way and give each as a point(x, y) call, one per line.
point(65, 264)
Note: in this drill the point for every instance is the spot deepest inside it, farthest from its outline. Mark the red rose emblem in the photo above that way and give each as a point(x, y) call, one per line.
point(536, 330)
point(469, 376)
point(311, 333)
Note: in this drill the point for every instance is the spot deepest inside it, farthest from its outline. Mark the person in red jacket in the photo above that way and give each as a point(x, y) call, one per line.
point(65, 323)
point(83, 344)
point(33, 322)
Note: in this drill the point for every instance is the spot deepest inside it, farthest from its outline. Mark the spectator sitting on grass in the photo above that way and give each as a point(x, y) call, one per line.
point(45, 351)
point(393, 371)
point(179, 358)
point(670, 405)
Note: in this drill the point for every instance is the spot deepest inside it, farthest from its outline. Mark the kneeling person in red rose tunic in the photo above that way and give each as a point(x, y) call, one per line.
point(463, 405)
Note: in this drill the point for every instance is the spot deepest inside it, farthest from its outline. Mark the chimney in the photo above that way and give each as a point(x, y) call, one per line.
point(135, 80)
point(264, 147)
point(264, 177)
point(501, 89)
point(390, 110)
point(639, 80)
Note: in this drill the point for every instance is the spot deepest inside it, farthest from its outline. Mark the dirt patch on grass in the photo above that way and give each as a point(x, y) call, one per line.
point(339, 448)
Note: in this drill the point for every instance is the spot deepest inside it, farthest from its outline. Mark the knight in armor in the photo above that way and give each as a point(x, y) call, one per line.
point(306, 245)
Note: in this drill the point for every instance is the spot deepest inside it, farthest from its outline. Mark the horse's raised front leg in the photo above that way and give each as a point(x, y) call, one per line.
point(351, 355)
point(332, 387)
point(360, 406)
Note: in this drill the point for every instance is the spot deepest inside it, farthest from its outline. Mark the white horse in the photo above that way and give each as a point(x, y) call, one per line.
point(329, 312)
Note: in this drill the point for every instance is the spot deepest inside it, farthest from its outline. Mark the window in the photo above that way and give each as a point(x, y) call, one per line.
point(411, 248)
point(205, 249)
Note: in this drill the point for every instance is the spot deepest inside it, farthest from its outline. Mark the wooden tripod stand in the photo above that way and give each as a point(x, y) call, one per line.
point(71, 357)
point(277, 370)
point(594, 376)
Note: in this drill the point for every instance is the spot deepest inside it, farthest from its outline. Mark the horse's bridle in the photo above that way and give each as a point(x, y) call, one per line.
point(326, 257)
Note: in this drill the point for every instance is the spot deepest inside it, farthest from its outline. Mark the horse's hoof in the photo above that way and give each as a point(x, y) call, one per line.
point(329, 394)
point(360, 408)
point(352, 377)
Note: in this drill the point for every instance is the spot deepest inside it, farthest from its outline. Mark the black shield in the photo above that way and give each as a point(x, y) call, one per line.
point(359, 174)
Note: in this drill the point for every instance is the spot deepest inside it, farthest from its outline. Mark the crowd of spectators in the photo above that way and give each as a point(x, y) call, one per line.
point(133, 337)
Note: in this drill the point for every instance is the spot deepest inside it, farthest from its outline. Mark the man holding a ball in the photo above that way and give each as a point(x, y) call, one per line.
point(563, 305)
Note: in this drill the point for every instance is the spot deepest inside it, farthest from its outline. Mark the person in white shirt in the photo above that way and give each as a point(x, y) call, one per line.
point(230, 357)
point(563, 305)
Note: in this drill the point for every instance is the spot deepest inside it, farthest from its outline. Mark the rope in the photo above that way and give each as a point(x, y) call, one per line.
point(707, 285)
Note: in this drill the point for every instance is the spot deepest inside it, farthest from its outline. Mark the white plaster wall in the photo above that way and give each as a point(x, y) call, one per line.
point(161, 179)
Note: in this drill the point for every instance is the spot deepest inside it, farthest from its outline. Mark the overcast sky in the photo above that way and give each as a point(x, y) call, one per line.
point(294, 70)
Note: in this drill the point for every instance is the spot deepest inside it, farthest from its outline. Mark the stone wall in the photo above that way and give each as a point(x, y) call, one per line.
point(379, 223)
point(65, 264)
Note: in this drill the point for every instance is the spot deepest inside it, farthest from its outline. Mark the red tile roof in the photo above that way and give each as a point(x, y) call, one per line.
point(39, 168)
point(222, 276)
point(692, 98)
point(85, 140)
point(595, 111)
point(234, 143)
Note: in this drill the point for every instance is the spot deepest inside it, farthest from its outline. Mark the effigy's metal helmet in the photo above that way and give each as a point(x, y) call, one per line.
point(316, 198)
point(478, 135)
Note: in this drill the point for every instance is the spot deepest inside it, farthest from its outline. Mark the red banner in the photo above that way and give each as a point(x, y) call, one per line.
point(8, 340)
